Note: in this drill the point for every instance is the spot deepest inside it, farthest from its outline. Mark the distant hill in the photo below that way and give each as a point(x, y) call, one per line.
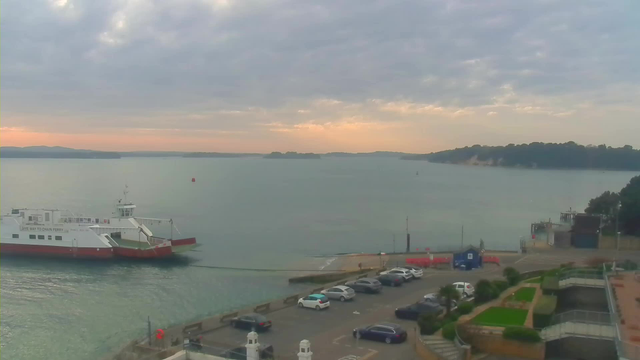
point(54, 152)
point(388, 154)
point(540, 155)
point(291, 155)
point(151, 153)
point(217, 155)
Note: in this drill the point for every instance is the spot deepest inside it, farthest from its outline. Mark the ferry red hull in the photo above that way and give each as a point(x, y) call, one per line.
point(56, 251)
point(159, 252)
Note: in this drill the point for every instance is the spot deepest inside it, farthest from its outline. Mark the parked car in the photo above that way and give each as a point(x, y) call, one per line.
point(464, 288)
point(413, 311)
point(437, 299)
point(387, 332)
point(252, 321)
point(339, 292)
point(366, 285)
point(406, 274)
point(391, 279)
point(314, 301)
point(416, 271)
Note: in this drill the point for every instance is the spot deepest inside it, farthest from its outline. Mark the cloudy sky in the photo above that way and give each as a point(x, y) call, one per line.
point(302, 75)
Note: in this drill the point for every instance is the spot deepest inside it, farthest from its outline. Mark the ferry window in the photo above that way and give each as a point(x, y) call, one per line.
point(15, 212)
point(32, 237)
point(40, 237)
point(46, 216)
point(58, 237)
point(15, 236)
point(30, 218)
point(48, 237)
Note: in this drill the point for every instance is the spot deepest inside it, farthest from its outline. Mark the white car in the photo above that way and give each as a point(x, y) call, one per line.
point(340, 292)
point(415, 271)
point(406, 274)
point(464, 288)
point(314, 301)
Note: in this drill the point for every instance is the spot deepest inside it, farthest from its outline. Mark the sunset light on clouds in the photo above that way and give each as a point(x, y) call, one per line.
point(261, 76)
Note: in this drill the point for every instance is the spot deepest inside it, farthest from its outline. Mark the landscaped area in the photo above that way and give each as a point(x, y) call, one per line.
point(499, 316)
point(523, 294)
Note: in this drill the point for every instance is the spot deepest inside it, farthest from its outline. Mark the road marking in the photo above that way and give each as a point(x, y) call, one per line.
point(370, 354)
point(335, 341)
point(517, 261)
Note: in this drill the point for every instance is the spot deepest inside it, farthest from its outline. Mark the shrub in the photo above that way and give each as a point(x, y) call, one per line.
point(485, 291)
point(449, 331)
point(465, 308)
point(549, 285)
point(500, 285)
point(512, 275)
point(521, 334)
point(450, 317)
point(429, 324)
point(543, 311)
point(629, 265)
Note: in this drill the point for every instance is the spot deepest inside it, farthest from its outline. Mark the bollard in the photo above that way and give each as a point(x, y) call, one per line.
point(253, 347)
point(305, 350)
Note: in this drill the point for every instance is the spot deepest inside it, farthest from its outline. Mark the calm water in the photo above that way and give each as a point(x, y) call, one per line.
point(248, 212)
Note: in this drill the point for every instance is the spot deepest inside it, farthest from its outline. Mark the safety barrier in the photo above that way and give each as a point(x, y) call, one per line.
point(427, 262)
point(228, 316)
point(192, 327)
point(491, 260)
point(292, 298)
point(262, 307)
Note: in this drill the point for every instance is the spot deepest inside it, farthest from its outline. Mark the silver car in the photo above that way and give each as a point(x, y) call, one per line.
point(340, 292)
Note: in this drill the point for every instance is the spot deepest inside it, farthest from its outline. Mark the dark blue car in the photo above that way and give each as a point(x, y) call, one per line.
point(387, 332)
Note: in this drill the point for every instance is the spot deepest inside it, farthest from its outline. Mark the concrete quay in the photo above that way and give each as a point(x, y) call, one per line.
point(330, 331)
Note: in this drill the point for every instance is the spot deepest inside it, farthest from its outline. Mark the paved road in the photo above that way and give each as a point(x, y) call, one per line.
point(330, 330)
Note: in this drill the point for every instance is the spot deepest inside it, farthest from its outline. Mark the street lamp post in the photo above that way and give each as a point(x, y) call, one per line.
point(617, 230)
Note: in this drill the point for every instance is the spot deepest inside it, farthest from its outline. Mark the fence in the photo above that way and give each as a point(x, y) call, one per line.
point(427, 262)
point(582, 316)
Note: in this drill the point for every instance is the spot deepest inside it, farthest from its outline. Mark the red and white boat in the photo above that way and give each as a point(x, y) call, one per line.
point(52, 232)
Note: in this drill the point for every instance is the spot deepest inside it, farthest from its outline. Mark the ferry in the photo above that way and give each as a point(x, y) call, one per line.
point(53, 232)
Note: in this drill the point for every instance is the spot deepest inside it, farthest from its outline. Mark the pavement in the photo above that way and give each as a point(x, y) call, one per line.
point(330, 330)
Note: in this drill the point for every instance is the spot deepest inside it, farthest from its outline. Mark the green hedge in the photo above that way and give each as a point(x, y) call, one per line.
point(429, 324)
point(449, 331)
point(543, 311)
point(521, 334)
point(465, 308)
point(549, 285)
point(500, 285)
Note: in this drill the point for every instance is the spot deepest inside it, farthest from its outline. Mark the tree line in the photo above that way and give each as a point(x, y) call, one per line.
point(623, 206)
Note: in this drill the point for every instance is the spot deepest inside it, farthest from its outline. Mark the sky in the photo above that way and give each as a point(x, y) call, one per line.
point(318, 76)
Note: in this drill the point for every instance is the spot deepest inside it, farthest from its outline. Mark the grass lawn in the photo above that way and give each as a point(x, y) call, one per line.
point(524, 294)
point(497, 316)
point(533, 281)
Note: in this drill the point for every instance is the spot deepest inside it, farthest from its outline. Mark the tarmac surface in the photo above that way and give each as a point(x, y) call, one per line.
point(330, 330)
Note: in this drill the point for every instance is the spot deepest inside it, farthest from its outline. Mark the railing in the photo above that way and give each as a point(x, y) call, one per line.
point(581, 274)
point(582, 316)
point(625, 349)
point(578, 329)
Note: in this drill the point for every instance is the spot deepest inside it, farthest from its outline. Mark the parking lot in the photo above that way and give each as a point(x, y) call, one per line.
point(330, 330)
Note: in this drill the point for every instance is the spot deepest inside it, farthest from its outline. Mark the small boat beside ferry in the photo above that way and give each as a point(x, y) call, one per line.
point(61, 233)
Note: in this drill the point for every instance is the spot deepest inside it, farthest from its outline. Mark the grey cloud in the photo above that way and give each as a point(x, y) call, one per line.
point(193, 56)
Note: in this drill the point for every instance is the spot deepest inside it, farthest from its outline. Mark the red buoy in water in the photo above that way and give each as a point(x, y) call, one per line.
point(193, 179)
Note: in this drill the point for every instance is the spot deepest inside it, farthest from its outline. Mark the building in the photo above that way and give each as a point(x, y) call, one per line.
point(468, 258)
point(585, 232)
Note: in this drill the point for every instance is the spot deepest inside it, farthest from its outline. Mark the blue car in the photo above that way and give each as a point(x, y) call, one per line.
point(387, 332)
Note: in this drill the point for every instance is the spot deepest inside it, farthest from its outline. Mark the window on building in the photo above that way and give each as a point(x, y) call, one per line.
point(40, 237)
point(48, 237)
point(15, 236)
point(30, 218)
point(46, 216)
point(32, 237)
point(58, 237)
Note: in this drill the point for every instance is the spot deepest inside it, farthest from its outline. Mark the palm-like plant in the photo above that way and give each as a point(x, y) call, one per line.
point(449, 293)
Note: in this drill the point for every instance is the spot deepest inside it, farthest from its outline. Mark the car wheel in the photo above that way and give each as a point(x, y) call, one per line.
point(342, 298)
point(300, 305)
point(317, 307)
point(387, 340)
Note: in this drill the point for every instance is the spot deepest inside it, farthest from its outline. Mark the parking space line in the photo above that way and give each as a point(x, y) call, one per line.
point(335, 341)
point(370, 354)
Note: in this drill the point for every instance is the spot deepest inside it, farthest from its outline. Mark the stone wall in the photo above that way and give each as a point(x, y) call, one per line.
point(497, 345)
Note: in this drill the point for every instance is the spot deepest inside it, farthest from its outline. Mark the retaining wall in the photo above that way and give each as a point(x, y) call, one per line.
point(497, 345)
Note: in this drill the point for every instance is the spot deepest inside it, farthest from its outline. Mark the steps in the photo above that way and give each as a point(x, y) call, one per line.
point(444, 348)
